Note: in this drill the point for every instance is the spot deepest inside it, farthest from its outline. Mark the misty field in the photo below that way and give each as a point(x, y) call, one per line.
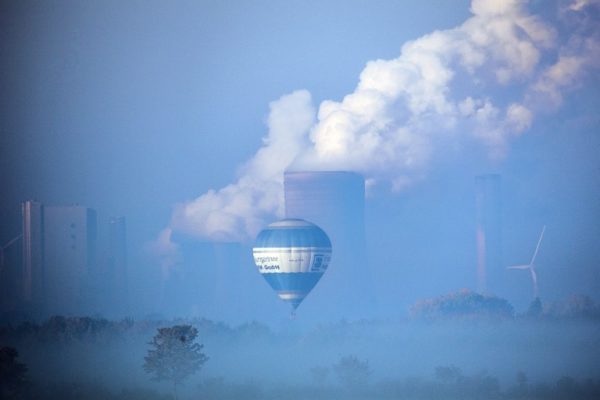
point(516, 358)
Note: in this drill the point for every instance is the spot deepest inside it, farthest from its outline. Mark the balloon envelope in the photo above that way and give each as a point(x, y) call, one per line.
point(292, 255)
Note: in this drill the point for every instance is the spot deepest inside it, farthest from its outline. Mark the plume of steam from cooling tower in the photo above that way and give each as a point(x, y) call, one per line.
point(439, 90)
point(239, 209)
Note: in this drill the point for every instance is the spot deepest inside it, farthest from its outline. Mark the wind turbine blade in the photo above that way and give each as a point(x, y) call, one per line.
point(10, 242)
point(537, 248)
point(519, 267)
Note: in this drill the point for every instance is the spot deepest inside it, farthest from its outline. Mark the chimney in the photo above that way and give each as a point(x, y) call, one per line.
point(488, 232)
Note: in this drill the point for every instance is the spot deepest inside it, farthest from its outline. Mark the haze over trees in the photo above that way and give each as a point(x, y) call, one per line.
point(13, 374)
point(352, 372)
point(463, 304)
point(174, 355)
point(68, 358)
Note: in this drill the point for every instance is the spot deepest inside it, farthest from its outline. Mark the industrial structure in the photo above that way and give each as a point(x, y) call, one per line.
point(335, 201)
point(58, 270)
point(33, 252)
point(488, 236)
point(69, 253)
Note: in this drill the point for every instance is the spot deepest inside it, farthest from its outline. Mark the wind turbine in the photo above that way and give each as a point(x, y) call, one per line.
point(531, 265)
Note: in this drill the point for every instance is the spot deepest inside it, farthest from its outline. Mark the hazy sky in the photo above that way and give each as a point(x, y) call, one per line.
point(140, 108)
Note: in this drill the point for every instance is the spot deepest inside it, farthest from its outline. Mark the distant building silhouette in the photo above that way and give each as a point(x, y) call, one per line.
point(335, 201)
point(488, 236)
point(69, 255)
point(205, 279)
point(229, 275)
point(185, 282)
point(52, 266)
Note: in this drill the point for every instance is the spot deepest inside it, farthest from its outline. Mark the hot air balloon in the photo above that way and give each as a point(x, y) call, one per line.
point(292, 255)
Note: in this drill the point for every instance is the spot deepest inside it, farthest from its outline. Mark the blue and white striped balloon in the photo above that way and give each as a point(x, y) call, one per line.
point(292, 255)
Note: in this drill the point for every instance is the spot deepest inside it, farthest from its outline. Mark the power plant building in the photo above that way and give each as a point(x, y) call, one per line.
point(69, 254)
point(58, 251)
point(335, 201)
point(52, 267)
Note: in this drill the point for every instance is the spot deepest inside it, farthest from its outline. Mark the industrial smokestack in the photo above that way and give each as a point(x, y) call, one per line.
point(335, 201)
point(488, 208)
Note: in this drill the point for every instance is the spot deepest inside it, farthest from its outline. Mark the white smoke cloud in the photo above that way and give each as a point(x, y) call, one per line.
point(574, 60)
point(579, 5)
point(389, 125)
point(238, 210)
point(440, 88)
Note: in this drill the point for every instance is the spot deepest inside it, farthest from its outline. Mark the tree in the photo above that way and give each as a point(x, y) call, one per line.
point(464, 304)
point(12, 373)
point(535, 309)
point(174, 355)
point(448, 373)
point(352, 372)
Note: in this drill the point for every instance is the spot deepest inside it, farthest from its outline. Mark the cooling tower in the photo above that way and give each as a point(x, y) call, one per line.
point(490, 271)
point(335, 201)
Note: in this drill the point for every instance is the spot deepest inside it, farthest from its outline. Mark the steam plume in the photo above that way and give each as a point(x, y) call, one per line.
point(240, 209)
point(484, 80)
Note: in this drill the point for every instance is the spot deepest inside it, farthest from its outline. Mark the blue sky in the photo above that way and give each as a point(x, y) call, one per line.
point(140, 108)
point(108, 99)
